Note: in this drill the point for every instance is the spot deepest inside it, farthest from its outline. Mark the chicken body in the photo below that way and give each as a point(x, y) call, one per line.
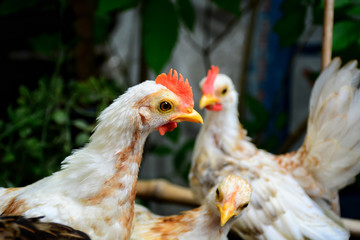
point(291, 192)
point(95, 189)
point(212, 221)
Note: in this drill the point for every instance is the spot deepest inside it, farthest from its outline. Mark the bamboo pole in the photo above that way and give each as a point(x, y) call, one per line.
point(353, 226)
point(164, 191)
point(327, 33)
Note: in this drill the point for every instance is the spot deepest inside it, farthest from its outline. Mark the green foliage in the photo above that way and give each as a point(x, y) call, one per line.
point(354, 11)
point(12, 6)
point(259, 116)
point(259, 120)
point(346, 36)
point(47, 124)
point(159, 32)
point(180, 152)
point(46, 43)
point(105, 6)
point(102, 27)
point(347, 33)
point(186, 12)
point(339, 3)
point(292, 24)
point(232, 6)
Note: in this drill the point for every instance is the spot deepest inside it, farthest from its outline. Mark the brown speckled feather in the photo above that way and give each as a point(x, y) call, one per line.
point(211, 221)
point(21, 228)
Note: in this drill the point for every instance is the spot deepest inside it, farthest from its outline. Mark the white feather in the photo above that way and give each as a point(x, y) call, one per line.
point(328, 160)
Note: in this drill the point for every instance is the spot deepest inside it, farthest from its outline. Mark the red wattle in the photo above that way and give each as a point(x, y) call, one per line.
point(167, 127)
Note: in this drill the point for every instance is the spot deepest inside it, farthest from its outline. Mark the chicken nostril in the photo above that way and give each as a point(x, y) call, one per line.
point(189, 110)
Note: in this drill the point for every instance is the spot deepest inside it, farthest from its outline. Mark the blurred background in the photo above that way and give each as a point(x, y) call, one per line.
point(63, 61)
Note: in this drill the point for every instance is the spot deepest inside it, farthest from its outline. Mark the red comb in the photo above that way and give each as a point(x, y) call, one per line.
point(178, 86)
point(208, 86)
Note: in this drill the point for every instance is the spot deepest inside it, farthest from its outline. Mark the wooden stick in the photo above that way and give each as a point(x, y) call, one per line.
point(353, 226)
point(164, 191)
point(327, 33)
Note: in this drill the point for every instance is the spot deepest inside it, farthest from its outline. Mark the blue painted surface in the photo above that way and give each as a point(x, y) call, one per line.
point(269, 69)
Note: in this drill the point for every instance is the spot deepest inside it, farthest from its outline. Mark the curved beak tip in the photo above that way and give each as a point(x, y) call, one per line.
point(225, 215)
point(189, 116)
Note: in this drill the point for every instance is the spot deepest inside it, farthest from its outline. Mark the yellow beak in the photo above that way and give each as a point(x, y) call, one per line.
point(207, 100)
point(226, 212)
point(190, 116)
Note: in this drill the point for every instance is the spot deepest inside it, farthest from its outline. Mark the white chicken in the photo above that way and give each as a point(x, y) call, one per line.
point(212, 221)
point(95, 190)
point(291, 192)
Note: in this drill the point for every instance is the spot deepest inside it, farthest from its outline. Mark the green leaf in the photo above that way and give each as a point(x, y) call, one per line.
point(259, 116)
point(185, 173)
point(101, 27)
point(256, 108)
point(174, 135)
point(291, 26)
point(345, 33)
point(24, 91)
point(105, 6)
point(81, 139)
point(81, 124)
point(337, 3)
point(46, 43)
point(180, 156)
point(353, 11)
point(318, 14)
point(25, 132)
point(187, 13)
point(12, 6)
point(161, 150)
point(341, 3)
point(33, 147)
point(232, 6)
point(159, 32)
point(60, 117)
point(8, 158)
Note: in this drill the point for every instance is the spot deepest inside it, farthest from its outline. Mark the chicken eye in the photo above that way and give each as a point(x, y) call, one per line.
point(224, 91)
point(165, 106)
point(217, 194)
point(244, 206)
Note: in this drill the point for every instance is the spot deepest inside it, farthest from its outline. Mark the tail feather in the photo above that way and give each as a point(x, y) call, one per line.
point(280, 209)
point(333, 138)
